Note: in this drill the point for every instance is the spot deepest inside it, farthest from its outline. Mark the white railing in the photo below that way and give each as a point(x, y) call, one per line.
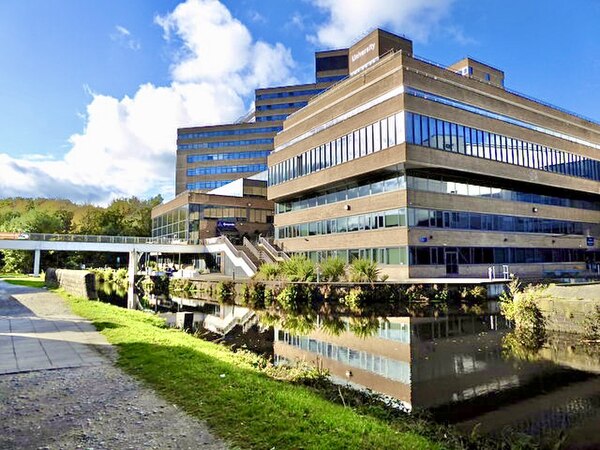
point(222, 240)
point(251, 248)
point(276, 254)
point(99, 239)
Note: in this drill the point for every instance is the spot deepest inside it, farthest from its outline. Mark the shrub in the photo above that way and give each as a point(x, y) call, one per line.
point(294, 297)
point(268, 271)
point(520, 305)
point(332, 269)
point(591, 325)
point(364, 271)
point(299, 268)
point(121, 274)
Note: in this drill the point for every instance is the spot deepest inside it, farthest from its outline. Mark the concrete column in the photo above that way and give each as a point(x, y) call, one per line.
point(36, 262)
point(132, 269)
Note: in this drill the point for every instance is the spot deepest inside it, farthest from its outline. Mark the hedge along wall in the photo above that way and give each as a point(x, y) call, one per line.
point(566, 307)
point(80, 283)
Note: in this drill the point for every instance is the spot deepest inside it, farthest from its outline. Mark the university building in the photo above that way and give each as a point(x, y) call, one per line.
point(209, 157)
point(436, 171)
point(218, 191)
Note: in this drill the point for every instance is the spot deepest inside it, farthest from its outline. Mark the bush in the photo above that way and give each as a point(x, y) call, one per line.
point(364, 271)
point(268, 271)
point(332, 269)
point(294, 297)
point(520, 305)
point(591, 325)
point(299, 268)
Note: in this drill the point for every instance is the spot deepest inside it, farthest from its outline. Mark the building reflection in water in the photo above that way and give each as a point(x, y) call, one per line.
point(457, 368)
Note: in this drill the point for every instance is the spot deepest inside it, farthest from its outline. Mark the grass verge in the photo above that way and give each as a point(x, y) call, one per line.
point(23, 280)
point(241, 404)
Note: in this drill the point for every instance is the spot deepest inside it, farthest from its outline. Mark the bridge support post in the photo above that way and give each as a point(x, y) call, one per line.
point(36, 262)
point(132, 270)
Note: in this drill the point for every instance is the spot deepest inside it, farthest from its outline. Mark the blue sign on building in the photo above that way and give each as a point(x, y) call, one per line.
point(590, 241)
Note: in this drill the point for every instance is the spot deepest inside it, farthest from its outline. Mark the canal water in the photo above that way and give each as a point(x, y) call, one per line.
point(467, 370)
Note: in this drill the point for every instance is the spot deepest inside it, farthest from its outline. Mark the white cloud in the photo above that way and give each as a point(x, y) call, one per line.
point(128, 145)
point(123, 36)
point(348, 20)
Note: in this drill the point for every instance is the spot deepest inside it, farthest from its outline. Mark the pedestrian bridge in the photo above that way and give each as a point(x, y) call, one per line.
point(135, 246)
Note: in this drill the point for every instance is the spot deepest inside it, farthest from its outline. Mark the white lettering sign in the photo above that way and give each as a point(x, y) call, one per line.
point(363, 52)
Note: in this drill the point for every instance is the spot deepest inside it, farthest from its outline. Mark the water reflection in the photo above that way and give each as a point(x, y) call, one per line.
point(471, 370)
point(464, 369)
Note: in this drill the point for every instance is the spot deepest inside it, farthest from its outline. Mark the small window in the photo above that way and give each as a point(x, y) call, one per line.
point(488, 77)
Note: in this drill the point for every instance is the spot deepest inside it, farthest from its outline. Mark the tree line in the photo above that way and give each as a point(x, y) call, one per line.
point(122, 217)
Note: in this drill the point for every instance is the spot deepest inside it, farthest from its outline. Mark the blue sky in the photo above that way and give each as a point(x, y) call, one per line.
point(92, 92)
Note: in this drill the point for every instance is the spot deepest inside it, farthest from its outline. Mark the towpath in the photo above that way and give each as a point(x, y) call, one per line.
point(60, 388)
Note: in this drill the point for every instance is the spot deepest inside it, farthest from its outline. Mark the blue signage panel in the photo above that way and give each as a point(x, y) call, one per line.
point(590, 241)
point(225, 224)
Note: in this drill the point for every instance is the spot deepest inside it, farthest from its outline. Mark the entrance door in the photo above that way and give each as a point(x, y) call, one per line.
point(451, 258)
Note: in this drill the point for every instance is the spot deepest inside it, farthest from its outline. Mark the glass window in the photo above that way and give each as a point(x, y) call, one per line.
point(369, 139)
point(376, 137)
point(392, 130)
point(391, 219)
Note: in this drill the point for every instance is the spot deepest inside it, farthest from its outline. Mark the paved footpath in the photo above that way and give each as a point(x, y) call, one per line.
point(60, 389)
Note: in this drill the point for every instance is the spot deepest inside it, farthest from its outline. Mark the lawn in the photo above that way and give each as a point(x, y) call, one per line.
point(23, 280)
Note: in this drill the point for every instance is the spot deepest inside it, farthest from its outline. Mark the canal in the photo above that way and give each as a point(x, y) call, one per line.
point(470, 370)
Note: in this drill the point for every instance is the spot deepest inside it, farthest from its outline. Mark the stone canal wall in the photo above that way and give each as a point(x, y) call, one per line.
point(80, 283)
point(565, 307)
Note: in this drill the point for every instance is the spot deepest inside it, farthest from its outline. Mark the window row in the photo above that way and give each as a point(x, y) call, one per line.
point(270, 95)
point(331, 79)
point(493, 255)
point(344, 193)
point(202, 212)
point(271, 106)
point(217, 170)
point(463, 220)
point(224, 144)
point(170, 223)
point(451, 137)
point(201, 185)
point(501, 117)
point(239, 131)
point(478, 190)
point(361, 222)
point(225, 156)
point(362, 142)
point(273, 118)
point(387, 255)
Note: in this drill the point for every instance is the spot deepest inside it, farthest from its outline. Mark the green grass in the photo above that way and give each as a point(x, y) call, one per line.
point(23, 280)
point(241, 404)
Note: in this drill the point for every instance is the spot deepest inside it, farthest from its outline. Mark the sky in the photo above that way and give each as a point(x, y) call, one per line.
point(92, 92)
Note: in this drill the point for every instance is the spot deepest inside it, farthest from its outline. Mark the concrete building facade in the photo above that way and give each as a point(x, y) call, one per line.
point(209, 157)
point(436, 171)
point(236, 210)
